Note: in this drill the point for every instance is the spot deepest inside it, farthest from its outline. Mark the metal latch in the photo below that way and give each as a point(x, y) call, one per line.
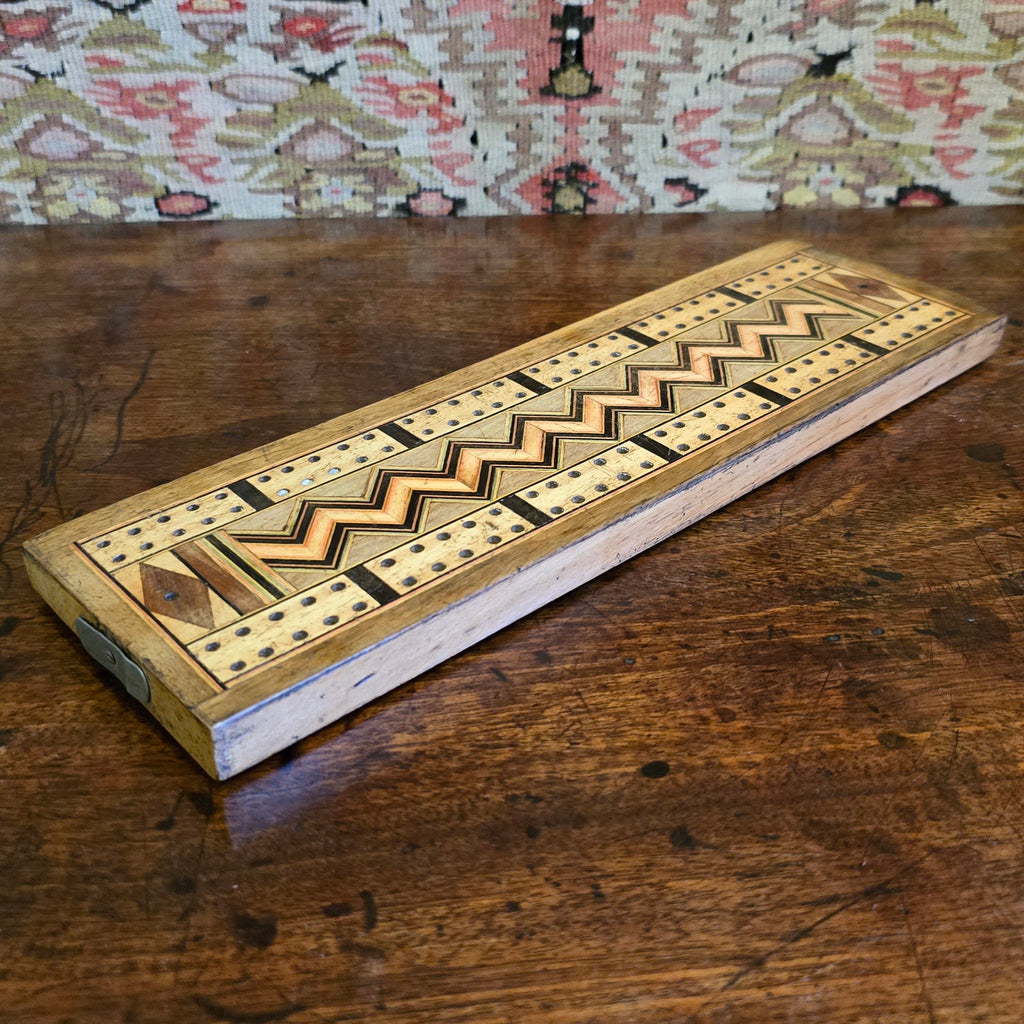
point(111, 657)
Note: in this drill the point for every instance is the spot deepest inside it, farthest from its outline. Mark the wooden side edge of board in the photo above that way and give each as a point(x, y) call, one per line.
point(271, 594)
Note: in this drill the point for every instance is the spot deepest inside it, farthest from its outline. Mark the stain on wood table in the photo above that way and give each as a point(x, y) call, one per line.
point(769, 770)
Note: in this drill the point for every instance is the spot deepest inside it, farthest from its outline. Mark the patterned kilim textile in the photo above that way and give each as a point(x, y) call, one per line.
point(151, 109)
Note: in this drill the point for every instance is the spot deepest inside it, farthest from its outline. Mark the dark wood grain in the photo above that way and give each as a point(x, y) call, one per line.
point(770, 770)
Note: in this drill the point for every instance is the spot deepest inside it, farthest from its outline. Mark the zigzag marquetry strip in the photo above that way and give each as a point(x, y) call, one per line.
point(564, 367)
point(291, 590)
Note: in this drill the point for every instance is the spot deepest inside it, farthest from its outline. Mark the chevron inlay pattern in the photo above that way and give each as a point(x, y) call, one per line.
point(315, 535)
point(294, 552)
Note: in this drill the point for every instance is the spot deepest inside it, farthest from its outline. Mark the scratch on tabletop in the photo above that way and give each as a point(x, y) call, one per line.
point(952, 754)
point(123, 408)
point(189, 911)
point(919, 967)
point(995, 571)
point(69, 418)
point(583, 701)
point(824, 682)
point(884, 888)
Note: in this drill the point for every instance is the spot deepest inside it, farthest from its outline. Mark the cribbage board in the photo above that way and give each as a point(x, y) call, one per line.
point(251, 603)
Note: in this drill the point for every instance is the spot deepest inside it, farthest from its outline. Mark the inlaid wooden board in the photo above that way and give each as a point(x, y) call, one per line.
point(271, 594)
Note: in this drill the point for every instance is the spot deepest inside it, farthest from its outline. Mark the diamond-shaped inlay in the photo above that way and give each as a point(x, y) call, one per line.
point(177, 596)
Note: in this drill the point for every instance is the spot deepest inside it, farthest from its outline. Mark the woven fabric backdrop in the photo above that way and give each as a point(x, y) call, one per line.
point(144, 109)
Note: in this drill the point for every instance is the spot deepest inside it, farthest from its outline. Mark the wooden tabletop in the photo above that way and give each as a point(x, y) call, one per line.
point(770, 770)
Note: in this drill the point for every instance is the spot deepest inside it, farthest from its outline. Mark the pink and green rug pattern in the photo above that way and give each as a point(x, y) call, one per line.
point(148, 109)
